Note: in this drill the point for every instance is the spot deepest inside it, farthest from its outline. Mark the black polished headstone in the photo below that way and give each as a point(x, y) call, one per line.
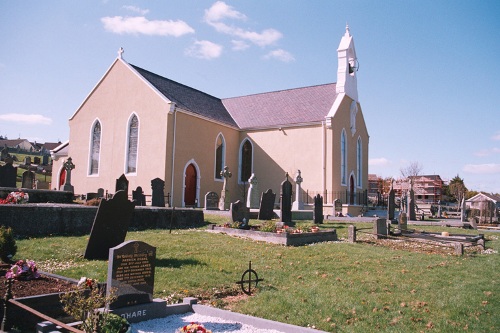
point(158, 196)
point(110, 225)
point(8, 175)
point(286, 200)
point(122, 184)
point(212, 201)
point(266, 210)
point(139, 197)
point(318, 209)
point(131, 273)
point(239, 211)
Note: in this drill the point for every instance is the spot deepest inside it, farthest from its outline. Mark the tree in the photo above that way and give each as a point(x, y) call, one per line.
point(457, 188)
point(412, 170)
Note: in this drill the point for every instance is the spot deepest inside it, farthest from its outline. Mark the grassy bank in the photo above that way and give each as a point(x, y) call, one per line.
point(335, 287)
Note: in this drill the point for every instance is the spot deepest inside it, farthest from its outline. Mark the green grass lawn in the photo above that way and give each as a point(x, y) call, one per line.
point(335, 286)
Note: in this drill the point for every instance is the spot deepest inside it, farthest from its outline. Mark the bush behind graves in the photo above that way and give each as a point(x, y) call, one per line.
point(8, 247)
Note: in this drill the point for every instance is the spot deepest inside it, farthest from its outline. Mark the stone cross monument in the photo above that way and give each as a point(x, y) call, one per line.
point(68, 166)
point(253, 192)
point(225, 199)
point(298, 204)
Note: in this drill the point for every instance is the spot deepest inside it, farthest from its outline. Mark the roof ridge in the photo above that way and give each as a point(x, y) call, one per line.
point(280, 90)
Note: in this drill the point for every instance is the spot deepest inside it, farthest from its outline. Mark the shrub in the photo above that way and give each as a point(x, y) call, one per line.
point(268, 226)
point(8, 247)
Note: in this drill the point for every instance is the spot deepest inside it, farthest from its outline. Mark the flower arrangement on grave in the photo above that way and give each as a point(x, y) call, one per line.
point(88, 304)
point(15, 198)
point(193, 328)
point(23, 270)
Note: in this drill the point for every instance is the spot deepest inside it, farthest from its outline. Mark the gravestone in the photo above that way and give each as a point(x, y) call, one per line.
point(158, 196)
point(239, 211)
point(225, 199)
point(110, 225)
point(266, 211)
point(380, 228)
point(45, 159)
point(27, 160)
point(211, 201)
point(286, 200)
point(100, 192)
point(28, 179)
point(4, 153)
point(91, 195)
point(131, 273)
point(411, 206)
point(403, 221)
point(253, 192)
point(122, 184)
point(68, 166)
point(138, 197)
point(463, 211)
point(298, 204)
point(318, 209)
point(337, 204)
point(36, 160)
point(391, 204)
point(8, 175)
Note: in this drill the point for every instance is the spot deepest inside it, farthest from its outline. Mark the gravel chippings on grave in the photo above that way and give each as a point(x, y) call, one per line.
point(217, 325)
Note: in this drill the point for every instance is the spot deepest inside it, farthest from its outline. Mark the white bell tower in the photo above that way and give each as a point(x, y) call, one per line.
point(348, 66)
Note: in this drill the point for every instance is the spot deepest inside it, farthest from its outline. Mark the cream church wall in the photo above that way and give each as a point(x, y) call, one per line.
point(113, 102)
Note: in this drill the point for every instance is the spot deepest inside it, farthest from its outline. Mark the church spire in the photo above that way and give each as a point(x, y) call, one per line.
point(347, 66)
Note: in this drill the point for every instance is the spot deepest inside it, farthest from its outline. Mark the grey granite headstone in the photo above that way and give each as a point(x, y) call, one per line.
point(27, 160)
point(337, 204)
point(131, 273)
point(403, 221)
point(122, 184)
point(110, 225)
point(239, 211)
point(286, 200)
point(266, 211)
point(8, 175)
point(100, 192)
point(158, 196)
point(318, 209)
point(138, 197)
point(211, 201)
point(28, 179)
point(36, 160)
point(411, 206)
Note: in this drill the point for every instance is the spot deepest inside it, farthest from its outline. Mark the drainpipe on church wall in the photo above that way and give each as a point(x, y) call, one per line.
point(173, 110)
point(323, 124)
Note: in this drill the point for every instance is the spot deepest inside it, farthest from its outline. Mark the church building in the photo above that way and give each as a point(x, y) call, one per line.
point(145, 126)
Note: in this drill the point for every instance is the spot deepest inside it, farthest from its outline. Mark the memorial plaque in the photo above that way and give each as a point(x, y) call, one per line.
point(131, 272)
point(212, 201)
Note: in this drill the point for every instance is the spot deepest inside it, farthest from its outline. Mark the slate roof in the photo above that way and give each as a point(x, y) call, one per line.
point(284, 107)
point(271, 109)
point(188, 98)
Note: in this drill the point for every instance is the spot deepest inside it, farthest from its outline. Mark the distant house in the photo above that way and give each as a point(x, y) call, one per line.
point(428, 189)
point(487, 204)
point(17, 145)
point(146, 126)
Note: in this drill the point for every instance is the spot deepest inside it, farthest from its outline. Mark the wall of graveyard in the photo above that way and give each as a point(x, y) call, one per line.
point(34, 220)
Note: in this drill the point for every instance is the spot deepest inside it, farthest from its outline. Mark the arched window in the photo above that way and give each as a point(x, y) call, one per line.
point(343, 158)
point(246, 156)
point(133, 136)
point(359, 160)
point(220, 156)
point(95, 148)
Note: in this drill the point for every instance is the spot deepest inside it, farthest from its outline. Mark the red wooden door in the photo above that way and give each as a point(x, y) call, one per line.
point(190, 186)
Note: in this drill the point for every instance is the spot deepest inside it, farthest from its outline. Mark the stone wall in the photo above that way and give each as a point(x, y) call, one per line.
point(34, 220)
point(40, 196)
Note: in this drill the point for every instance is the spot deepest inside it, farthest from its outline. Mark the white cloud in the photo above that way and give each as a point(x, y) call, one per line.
point(381, 161)
point(31, 119)
point(141, 25)
point(496, 136)
point(488, 168)
point(239, 45)
point(136, 9)
point(204, 49)
point(220, 11)
point(487, 152)
point(281, 55)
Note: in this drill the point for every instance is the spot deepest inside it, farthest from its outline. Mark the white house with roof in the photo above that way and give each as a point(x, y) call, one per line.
point(146, 126)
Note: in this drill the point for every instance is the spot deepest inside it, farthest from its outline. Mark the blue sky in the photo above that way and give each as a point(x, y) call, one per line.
point(428, 79)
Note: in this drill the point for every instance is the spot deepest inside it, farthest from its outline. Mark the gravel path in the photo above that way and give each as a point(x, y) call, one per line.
point(216, 325)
